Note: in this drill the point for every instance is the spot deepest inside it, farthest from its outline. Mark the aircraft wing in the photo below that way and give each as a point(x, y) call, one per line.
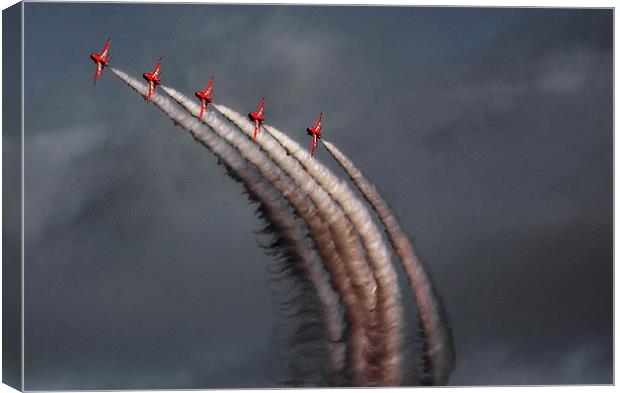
point(157, 70)
point(261, 107)
point(106, 49)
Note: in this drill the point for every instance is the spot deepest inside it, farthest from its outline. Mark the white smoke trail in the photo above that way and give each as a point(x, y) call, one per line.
point(378, 255)
point(332, 212)
point(388, 291)
point(338, 224)
point(273, 209)
point(433, 319)
point(277, 213)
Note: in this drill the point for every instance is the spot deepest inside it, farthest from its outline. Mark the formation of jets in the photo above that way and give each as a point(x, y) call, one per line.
point(205, 96)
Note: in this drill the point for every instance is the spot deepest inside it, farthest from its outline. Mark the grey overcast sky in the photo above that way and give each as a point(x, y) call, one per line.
point(488, 130)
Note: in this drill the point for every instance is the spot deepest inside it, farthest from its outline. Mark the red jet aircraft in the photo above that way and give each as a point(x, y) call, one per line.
point(101, 59)
point(315, 132)
point(205, 96)
point(153, 80)
point(258, 117)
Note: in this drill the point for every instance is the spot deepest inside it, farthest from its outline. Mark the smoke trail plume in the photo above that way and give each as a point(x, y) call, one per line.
point(339, 227)
point(433, 319)
point(280, 174)
point(329, 210)
point(272, 209)
point(378, 255)
point(314, 352)
point(386, 352)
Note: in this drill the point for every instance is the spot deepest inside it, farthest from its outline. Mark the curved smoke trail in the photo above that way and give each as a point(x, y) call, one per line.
point(433, 318)
point(357, 291)
point(389, 292)
point(307, 300)
point(356, 263)
point(272, 209)
point(338, 227)
point(386, 351)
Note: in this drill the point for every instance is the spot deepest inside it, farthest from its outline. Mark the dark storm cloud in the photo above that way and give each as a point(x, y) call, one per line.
point(488, 131)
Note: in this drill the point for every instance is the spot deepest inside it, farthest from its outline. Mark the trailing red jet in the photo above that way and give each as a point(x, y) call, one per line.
point(205, 96)
point(315, 132)
point(101, 59)
point(153, 80)
point(258, 117)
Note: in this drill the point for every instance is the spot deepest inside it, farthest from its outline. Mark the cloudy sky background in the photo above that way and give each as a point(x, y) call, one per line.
point(488, 130)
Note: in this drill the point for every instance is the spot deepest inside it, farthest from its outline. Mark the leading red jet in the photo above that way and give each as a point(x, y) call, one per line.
point(101, 59)
point(153, 79)
point(315, 132)
point(205, 96)
point(258, 117)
